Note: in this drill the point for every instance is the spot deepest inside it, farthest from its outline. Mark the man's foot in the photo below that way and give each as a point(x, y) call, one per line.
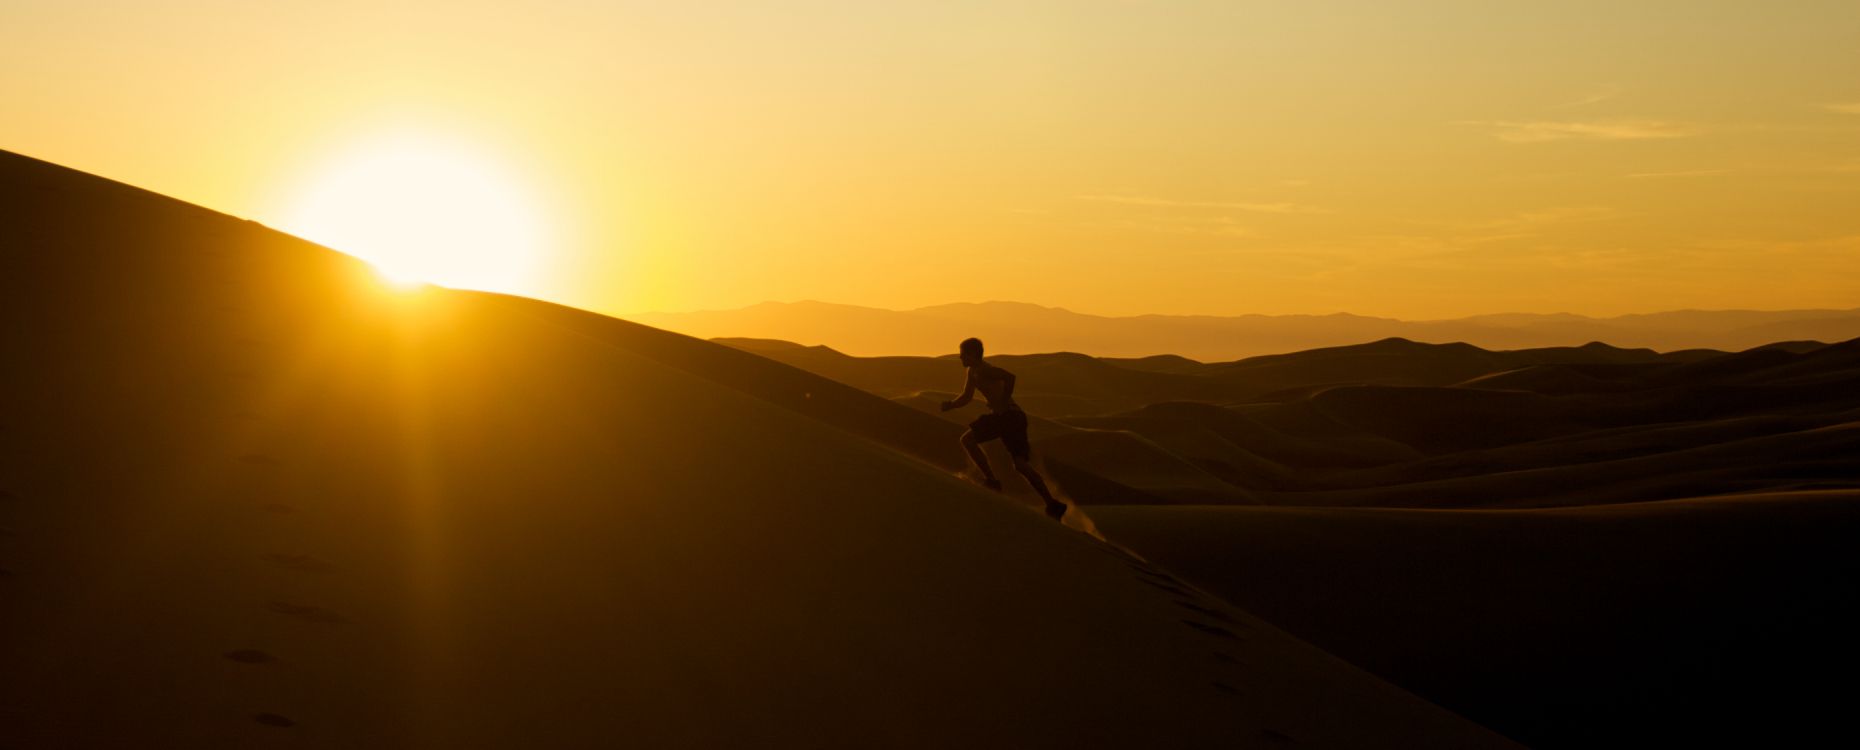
point(1055, 509)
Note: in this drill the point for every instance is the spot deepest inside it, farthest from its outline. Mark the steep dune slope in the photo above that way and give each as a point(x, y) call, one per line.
point(252, 501)
point(1686, 623)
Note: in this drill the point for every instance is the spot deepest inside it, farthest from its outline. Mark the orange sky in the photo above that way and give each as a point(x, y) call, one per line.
point(1415, 159)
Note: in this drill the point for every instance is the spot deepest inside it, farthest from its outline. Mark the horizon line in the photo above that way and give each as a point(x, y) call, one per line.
point(1563, 313)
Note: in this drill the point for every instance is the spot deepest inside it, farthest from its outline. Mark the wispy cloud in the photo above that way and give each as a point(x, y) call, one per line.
point(1599, 95)
point(1263, 208)
point(1544, 217)
point(1850, 108)
point(1543, 131)
point(1685, 173)
point(1216, 226)
point(1516, 226)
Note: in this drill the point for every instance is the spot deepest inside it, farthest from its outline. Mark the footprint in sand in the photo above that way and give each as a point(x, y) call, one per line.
point(306, 612)
point(1277, 736)
point(299, 563)
point(1166, 587)
point(1205, 611)
point(1154, 574)
point(274, 720)
point(249, 656)
point(1231, 659)
point(1213, 630)
point(1226, 688)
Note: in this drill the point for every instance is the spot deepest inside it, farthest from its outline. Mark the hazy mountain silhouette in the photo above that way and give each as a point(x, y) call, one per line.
point(1017, 328)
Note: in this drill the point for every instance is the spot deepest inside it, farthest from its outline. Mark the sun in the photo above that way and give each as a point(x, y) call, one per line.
point(425, 210)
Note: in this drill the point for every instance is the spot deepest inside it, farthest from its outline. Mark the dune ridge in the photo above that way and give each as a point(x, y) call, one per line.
point(252, 500)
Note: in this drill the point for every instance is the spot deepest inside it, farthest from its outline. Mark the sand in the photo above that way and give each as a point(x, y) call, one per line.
point(1715, 622)
point(252, 499)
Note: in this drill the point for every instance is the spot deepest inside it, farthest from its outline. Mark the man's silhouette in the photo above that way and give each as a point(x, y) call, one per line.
point(1004, 420)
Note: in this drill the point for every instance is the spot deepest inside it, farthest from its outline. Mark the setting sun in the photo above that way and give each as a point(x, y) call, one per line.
point(425, 210)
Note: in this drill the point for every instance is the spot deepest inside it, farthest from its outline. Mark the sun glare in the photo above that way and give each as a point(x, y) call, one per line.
point(425, 210)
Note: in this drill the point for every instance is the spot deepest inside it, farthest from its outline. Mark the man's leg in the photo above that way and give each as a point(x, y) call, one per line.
point(974, 447)
point(1054, 508)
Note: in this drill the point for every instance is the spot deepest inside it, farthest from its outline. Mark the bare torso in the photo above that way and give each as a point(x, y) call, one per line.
point(996, 386)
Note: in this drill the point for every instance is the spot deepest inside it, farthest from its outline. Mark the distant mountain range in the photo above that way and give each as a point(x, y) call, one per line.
point(1020, 328)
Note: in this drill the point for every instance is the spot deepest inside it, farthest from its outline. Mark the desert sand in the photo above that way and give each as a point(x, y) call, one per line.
point(1576, 546)
point(1680, 623)
point(252, 498)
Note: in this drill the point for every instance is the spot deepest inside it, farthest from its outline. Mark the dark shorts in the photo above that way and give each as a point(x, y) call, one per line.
point(1010, 426)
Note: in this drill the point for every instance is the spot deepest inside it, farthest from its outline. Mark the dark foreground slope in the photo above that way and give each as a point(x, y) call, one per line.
point(1685, 623)
point(250, 500)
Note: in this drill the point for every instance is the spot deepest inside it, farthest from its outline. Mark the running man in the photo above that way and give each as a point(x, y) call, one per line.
point(1004, 420)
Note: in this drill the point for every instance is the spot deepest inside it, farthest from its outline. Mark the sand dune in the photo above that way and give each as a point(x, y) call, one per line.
point(1821, 457)
point(252, 500)
point(1549, 380)
point(916, 432)
point(1691, 623)
point(1260, 456)
point(1601, 620)
point(1441, 420)
point(1397, 423)
point(1057, 384)
point(1076, 384)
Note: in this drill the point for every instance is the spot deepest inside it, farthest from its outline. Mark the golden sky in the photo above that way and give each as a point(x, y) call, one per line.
point(1415, 159)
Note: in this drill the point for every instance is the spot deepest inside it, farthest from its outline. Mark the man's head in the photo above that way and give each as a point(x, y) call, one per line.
point(971, 351)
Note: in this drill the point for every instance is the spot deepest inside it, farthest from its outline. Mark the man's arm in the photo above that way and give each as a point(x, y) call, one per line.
point(968, 393)
point(1007, 384)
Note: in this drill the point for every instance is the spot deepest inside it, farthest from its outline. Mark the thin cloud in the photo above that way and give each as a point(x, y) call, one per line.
point(1686, 173)
point(1218, 226)
point(1851, 108)
point(1601, 95)
point(1520, 225)
point(1262, 208)
point(1515, 131)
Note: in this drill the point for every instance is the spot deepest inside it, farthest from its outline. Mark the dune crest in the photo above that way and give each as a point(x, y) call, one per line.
point(252, 500)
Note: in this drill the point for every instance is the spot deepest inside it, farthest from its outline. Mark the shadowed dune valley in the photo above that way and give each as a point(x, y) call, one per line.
point(1349, 375)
